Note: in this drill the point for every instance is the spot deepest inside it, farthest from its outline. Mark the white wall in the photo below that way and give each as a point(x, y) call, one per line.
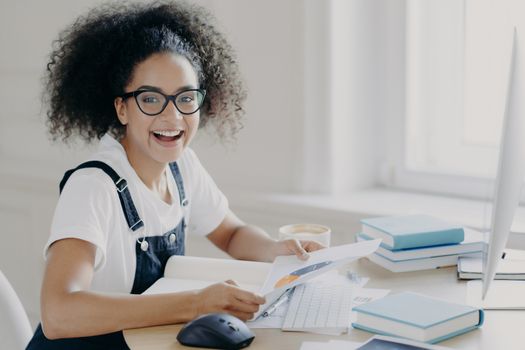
point(323, 78)
point(288, 72)
point(268, 37)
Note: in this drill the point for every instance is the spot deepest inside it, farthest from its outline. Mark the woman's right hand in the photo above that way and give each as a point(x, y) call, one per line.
point(229, 298)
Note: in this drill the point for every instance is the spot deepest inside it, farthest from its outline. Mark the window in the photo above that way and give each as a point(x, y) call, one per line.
point(457, 60)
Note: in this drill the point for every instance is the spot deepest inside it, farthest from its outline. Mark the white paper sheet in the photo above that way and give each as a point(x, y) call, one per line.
point(184, 273)
point(319, 262)
point(381, 342)
point(377, 342)
point(170, 285)
point(276, 319)
point(210, 269)
point(361, 295)
point(366, 295)
point(505, 266)
point(187, 273)
point(358, 280)
point(502, 294)
point(330, 345)
point(293, 271)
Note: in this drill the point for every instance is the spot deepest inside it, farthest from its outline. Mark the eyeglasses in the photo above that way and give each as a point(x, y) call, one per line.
point(152, 102)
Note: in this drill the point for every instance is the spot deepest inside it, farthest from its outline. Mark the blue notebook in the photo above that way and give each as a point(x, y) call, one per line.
point(416, 316)
point(473, 243)
point(412, 231)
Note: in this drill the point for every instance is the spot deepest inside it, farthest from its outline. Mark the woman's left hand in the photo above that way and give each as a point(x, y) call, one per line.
point(297, 248)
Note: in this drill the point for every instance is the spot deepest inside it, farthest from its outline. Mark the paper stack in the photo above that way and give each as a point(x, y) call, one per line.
point(419, 242)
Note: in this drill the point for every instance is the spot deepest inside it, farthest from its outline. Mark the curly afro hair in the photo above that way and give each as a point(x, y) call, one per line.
point(93, 60)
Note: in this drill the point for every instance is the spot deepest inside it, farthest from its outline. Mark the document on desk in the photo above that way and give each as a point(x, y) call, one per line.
point(288, 271)
point(276, 318)
point(502, 295)
point(330, 345)
point(509, 268)
point(184, 273)
point(360, 295)
point(366, 295)
point(383, 342)
point(377, 342)
point(187, 273)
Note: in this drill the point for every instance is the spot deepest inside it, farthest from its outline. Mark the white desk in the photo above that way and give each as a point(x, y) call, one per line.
point(502, 330)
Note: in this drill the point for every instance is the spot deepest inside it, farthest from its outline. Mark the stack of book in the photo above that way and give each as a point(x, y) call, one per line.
point(419, 242)
point(510, 267)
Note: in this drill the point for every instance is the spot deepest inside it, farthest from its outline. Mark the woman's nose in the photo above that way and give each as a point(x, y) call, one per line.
point(171, 110)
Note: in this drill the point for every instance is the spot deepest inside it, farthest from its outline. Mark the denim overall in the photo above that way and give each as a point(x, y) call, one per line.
point(150, 263)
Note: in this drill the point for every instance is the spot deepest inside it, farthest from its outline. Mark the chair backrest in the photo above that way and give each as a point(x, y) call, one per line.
point(15, 329)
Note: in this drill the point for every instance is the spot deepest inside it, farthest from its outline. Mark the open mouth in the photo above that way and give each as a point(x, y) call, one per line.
point(167, 136)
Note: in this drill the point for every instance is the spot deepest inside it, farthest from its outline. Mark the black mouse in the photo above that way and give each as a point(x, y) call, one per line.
point(217, 331)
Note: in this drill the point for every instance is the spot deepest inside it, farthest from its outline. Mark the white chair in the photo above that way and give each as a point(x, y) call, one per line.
point(15, 329)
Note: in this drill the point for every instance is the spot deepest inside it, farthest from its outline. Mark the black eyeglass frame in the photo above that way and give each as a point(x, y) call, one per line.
point(168, 98)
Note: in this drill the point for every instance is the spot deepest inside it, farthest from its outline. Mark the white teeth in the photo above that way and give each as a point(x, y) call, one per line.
point(168, 133)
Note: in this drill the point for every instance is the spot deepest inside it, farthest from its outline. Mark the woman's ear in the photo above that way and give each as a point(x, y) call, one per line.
point(120, 108)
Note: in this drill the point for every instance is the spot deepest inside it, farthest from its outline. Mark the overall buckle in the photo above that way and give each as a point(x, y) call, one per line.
point(121, 184)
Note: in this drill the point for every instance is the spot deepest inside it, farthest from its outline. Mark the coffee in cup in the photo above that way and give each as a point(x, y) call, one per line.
point(309, 232)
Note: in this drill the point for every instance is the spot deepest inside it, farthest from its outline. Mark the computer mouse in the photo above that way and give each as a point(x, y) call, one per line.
point(217, 331)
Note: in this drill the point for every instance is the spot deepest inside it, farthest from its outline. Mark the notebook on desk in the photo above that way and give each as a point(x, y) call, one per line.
point(188, 272)
point(508, 268)
point(271, 280)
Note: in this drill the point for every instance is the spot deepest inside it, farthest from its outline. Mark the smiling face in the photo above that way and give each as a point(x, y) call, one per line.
point(160, 139)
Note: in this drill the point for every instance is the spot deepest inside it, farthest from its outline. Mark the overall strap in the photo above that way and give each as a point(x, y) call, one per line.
point(130, 212)
point(178, 180)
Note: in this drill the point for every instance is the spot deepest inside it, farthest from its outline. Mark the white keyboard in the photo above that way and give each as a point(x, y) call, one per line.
point(319, 305)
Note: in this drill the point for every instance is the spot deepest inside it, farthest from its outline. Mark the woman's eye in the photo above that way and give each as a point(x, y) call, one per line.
point(150, 99)
point(185, 99)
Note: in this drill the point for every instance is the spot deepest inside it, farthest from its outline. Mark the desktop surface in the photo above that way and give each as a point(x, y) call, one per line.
point(502, 329)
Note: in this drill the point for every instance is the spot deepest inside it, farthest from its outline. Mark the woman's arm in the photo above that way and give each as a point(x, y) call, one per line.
point(69, 309)
point(248, 242)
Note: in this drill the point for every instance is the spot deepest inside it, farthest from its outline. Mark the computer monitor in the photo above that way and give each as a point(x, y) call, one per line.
point(511, 167)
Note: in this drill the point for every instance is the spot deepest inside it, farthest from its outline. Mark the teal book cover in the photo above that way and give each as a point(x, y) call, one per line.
point(412, 231)
point(468, 246)
point(422, 312)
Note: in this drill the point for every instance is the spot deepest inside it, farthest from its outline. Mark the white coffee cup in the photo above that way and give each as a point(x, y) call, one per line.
point(309, 232)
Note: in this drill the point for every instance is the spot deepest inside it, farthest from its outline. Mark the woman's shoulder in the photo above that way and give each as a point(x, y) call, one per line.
point(88, 180)
point(109, 156)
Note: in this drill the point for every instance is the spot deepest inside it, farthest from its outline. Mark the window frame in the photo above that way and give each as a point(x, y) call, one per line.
point(395, 171)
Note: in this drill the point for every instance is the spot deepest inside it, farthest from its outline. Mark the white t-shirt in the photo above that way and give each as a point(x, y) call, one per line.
point(89, 209)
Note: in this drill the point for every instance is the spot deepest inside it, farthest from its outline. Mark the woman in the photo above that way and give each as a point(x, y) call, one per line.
point(141, 78)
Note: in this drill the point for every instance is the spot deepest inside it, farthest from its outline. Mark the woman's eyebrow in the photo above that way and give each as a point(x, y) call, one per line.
point(156, 88)
point(187, 87)
point(149, 87)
